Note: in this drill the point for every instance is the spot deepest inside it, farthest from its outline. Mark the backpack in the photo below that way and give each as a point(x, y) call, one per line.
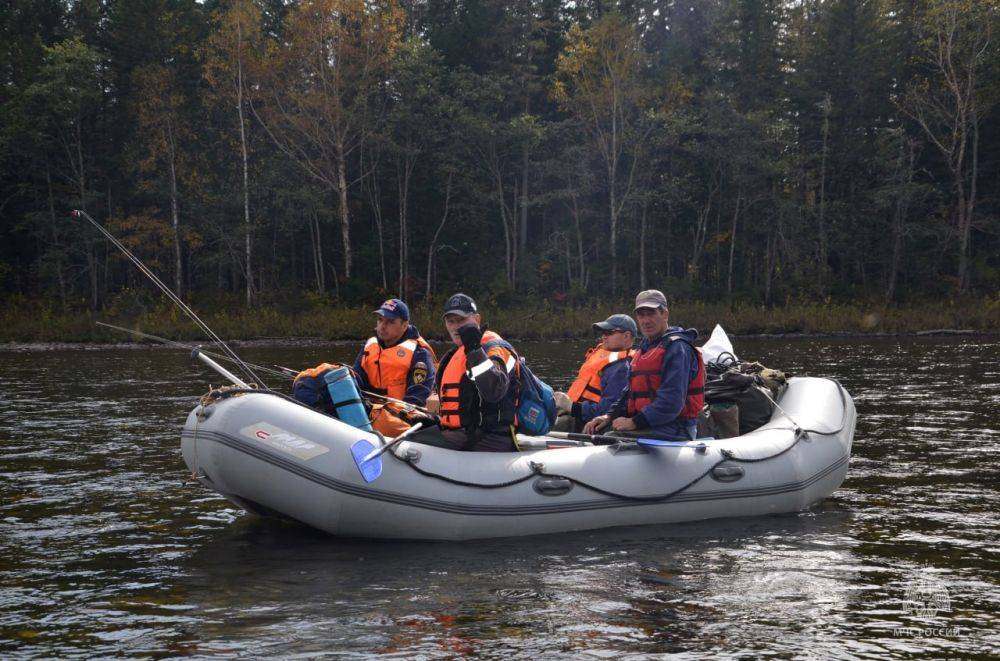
point(751, 387)
point(536, 404)
point(310, 388)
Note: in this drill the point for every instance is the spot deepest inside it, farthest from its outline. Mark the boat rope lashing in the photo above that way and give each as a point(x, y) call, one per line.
point(538, 469)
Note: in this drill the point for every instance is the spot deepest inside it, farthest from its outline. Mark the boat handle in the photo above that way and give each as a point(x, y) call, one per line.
point(552, 486)
point(728, 473)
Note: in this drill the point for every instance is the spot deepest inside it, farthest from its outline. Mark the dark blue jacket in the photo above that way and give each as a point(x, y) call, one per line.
point(614, 381)
point(680, 367)
point(416, 393)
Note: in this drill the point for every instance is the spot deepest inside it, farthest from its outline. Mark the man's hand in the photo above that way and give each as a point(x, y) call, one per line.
point(471, 336)
point(563, 402)
point(623, 424)
point(433, 403)
point(596, 425)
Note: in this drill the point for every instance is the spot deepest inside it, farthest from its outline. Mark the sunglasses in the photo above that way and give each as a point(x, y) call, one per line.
point(607, 333)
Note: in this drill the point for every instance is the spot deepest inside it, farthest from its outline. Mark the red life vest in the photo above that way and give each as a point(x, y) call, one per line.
point(587, 386)
point(644, 379)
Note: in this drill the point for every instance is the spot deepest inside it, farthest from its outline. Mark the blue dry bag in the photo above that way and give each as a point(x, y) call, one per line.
point(536, 405)
point(347, 404)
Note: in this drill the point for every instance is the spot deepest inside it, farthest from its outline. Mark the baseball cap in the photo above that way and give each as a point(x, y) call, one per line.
point(394, 309)
point(460, 304)
point(651, 298)
point(617, 322)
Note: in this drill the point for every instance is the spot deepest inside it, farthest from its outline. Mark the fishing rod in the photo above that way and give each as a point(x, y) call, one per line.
point(77, 213)
point(276, 370)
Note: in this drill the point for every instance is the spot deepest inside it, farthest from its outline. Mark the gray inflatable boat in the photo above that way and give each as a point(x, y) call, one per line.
point(270, 455)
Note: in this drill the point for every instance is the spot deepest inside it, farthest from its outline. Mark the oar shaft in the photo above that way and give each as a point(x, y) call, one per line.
point(595, 438)
point(385, 448)
point(197, 353)
point(392, 400)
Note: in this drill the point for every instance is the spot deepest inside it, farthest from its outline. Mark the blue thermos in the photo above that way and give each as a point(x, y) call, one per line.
point(347, 404)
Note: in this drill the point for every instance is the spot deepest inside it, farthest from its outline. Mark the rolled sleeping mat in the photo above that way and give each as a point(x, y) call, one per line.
point(346, 397)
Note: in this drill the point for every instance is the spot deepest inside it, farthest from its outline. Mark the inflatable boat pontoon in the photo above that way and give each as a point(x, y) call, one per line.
point(272, 456)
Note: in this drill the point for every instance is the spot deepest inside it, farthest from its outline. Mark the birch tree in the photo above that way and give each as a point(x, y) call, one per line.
point(599, 81)
point(229, 55)
point(322, 90)
point(949, 102)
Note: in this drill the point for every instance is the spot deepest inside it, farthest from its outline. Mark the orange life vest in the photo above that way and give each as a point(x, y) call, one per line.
point(461, 407)
point(644, 379)
point(387, 368)
point(587, 386)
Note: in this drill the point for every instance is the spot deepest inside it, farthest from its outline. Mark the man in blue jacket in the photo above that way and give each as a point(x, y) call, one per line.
point(666, 378)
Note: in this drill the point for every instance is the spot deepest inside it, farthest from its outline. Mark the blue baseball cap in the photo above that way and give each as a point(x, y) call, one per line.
point(621, 322)
point(394, 309)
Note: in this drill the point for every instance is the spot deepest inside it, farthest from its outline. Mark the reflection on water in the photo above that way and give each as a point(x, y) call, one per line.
point(104, 549)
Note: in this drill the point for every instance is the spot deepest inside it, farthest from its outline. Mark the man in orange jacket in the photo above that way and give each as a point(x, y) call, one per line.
point(396, 362)
point(602, 378)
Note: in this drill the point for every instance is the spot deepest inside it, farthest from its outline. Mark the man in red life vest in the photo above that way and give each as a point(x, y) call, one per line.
point(477, 384)
point(602, 378)
point(396, 362)
point(666, 378)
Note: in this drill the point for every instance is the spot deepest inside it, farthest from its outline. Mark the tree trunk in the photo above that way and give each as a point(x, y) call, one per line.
point(248, 228)
point(965, 235)
point(174, 212)
point(524, 197)
point(907, 156)
point(582, 270)
point(404, 174)
point(732, 241)
point(701, 229)
point(642, 245)
point(345, 216)
point(826, 106)
point(375, 201)
point(95, 294)
point(433, 246)
point(613, 238)
point(53, 224)
point(317, 253)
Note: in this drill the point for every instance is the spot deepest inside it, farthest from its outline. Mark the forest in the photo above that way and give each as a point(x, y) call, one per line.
point(270, 154)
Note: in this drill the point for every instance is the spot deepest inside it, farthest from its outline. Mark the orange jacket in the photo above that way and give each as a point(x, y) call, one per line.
point(392, 371)
point(477, 398)
point(587, 386)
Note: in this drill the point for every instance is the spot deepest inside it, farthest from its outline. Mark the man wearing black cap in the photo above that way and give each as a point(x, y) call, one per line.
point(477, 383)
point(397, 363)
point(602, 378)
point(666, 378)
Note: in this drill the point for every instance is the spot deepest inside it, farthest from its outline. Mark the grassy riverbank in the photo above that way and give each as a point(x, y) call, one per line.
point(27, 322)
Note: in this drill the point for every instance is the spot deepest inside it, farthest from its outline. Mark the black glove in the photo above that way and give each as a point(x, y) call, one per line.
point(471, 337)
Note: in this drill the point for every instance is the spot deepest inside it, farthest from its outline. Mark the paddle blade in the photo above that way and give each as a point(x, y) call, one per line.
point(370, 470)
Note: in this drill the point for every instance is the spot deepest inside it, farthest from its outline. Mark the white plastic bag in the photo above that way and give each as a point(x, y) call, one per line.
point(717, 345)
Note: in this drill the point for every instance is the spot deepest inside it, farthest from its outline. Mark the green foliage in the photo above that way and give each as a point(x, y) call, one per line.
point(536, 154)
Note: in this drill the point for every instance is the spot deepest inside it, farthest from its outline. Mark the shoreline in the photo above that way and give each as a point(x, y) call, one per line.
point(277, 342)
point(26, 325)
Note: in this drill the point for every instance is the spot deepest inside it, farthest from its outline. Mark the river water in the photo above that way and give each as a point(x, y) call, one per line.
point(106, 551)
